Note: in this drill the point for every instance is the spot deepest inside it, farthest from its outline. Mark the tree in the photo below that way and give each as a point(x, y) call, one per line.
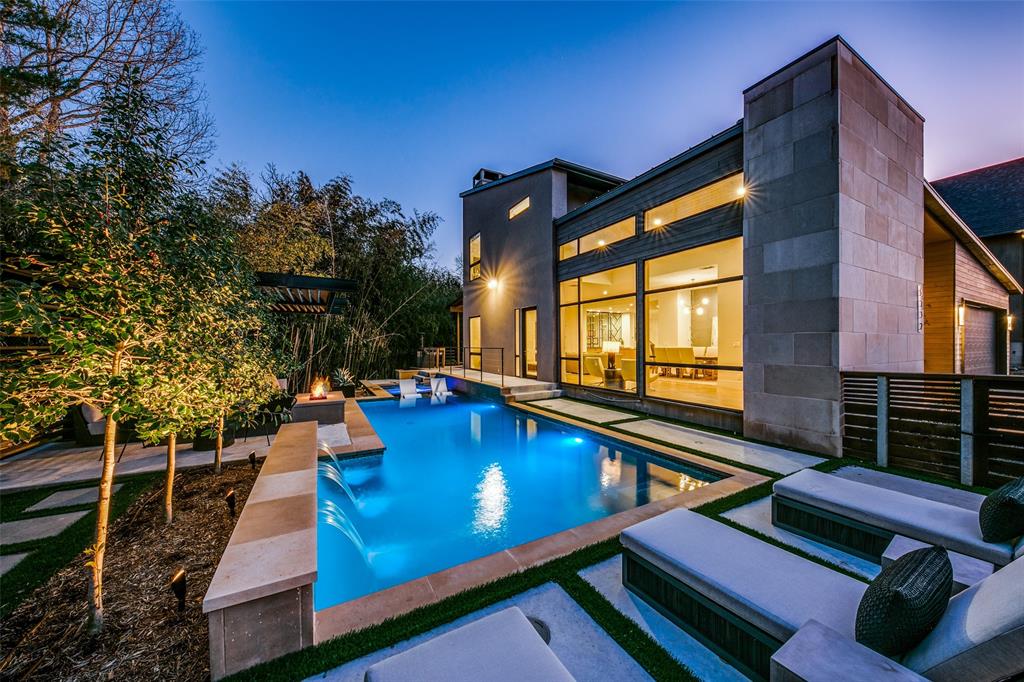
point(331, 231)
point(65, 54)
point(93, 302)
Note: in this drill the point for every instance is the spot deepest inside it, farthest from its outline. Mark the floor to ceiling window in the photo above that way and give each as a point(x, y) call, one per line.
point(694, 327)
point(598, 329)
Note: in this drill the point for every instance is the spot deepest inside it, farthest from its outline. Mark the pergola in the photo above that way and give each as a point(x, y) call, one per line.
point(303, 293)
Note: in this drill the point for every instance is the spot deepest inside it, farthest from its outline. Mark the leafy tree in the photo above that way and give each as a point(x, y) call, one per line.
point(401, 299)
point(97, 295)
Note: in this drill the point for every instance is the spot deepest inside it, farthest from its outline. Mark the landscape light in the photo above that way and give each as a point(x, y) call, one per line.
point(179, 585)
point(252, 460)
point(230, 499)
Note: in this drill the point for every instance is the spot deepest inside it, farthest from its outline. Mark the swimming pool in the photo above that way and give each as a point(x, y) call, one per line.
point(466, 479)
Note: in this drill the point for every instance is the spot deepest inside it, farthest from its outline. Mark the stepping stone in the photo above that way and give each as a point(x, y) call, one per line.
point(9, 561)
point(69, 498)
point(740, 451)
point(591, 413)
point(13, 532)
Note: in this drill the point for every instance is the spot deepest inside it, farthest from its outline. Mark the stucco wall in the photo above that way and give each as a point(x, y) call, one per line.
point(519, 254)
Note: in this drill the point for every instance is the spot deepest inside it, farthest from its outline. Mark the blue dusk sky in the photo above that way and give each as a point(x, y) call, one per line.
point(411, 99)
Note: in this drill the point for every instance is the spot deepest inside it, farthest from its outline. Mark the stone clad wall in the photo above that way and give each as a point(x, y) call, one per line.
point(881, 223)
point(791, 253)
point(833, 242)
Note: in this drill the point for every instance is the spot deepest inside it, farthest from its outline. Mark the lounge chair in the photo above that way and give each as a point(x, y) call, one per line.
point(439, 389)
point(863, 519)
point(744, 598)
point(407, 388)
point(499, 647)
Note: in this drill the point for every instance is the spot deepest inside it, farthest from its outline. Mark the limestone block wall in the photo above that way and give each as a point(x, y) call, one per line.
point(833, 241)
point(881, 223)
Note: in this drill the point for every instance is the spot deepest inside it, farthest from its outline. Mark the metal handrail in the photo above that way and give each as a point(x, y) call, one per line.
point(479, 350)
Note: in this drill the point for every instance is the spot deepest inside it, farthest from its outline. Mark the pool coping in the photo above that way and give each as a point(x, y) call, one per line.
point(375, 608)
point(361, 434)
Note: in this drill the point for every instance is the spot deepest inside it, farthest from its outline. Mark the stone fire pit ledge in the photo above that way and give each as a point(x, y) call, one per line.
point(260, 601)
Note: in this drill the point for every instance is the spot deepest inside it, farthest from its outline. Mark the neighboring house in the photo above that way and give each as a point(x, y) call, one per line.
point(733, 283)
point(991, 202)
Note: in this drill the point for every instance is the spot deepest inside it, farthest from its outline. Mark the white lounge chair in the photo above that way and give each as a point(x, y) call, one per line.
point(745, 598)
point(863, 519)
point(407, 389)
point(439, 390)
point(501, 647)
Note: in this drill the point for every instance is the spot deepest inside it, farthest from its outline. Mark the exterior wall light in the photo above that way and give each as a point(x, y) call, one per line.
point(961, 313)
point(492, 284)
point(1009, 322)
point(600, 242)
point(741, 191)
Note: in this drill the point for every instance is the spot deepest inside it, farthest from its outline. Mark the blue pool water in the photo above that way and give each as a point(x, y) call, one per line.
point(466, 479)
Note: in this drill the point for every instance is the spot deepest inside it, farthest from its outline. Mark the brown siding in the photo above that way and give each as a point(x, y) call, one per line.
point(974, 284)
point(939, 307)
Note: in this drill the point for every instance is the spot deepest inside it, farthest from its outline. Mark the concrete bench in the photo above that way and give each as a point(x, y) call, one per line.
point(863, 519)
point(501, 647)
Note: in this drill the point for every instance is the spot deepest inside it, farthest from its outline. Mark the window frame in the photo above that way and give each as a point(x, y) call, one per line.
point(578, 241)
point(474, 265)
point(650, 227)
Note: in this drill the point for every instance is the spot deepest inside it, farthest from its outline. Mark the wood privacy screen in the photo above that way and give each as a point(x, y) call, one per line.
point(960, 427)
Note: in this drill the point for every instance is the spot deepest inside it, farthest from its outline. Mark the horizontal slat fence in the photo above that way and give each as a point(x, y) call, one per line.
point(959, 427)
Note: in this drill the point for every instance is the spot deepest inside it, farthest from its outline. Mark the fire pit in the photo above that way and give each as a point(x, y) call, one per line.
point(320, 404)
point(319, 389)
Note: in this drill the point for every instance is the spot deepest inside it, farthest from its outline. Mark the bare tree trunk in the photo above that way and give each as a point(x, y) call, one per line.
point(172, 443)
point(219, 451)
point(99, 549)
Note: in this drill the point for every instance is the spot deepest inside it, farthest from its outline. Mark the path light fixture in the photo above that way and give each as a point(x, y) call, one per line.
point(179, 586)
point(230, 499)
point(252, 460)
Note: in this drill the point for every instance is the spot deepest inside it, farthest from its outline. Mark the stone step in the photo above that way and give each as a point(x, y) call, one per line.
point(523, 396)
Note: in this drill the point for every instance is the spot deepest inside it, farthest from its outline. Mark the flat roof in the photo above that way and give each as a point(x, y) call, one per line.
point(594, 178)
point(719, 138)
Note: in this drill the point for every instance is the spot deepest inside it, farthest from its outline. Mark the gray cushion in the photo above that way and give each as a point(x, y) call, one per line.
point(905, 601)
point(1001, 516)
point(981, 635)
point(503, 646)
point(915, 517)
point(773, 589)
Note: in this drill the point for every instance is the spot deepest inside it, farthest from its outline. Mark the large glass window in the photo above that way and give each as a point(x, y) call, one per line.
point(598, 334)
point(698, 201)
point(474, 256)
point(599, 239)
point(694, 310)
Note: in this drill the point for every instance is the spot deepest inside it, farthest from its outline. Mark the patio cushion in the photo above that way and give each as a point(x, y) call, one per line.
point(767, 586)
point(981, 635)
point(905, 601)
point(1001, 516)
point(933, 522)
point(499, 647)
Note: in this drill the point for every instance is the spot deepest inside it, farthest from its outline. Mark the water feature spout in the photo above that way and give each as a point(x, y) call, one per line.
point(336, 518)
point(333, 473)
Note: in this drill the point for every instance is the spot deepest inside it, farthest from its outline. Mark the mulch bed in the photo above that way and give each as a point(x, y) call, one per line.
point(144, 637)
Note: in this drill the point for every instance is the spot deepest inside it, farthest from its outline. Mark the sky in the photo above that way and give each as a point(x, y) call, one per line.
point(410, 100)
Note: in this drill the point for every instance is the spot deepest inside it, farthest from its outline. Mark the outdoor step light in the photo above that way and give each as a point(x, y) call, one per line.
point(179, 586)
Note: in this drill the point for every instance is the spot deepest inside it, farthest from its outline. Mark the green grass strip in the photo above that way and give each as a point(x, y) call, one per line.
point(49, 555)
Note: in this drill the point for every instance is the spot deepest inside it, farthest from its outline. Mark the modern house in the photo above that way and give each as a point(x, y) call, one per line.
point(731, 284)
point(991, 201)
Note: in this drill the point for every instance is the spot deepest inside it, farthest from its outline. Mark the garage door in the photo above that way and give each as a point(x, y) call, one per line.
point(979, 341)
